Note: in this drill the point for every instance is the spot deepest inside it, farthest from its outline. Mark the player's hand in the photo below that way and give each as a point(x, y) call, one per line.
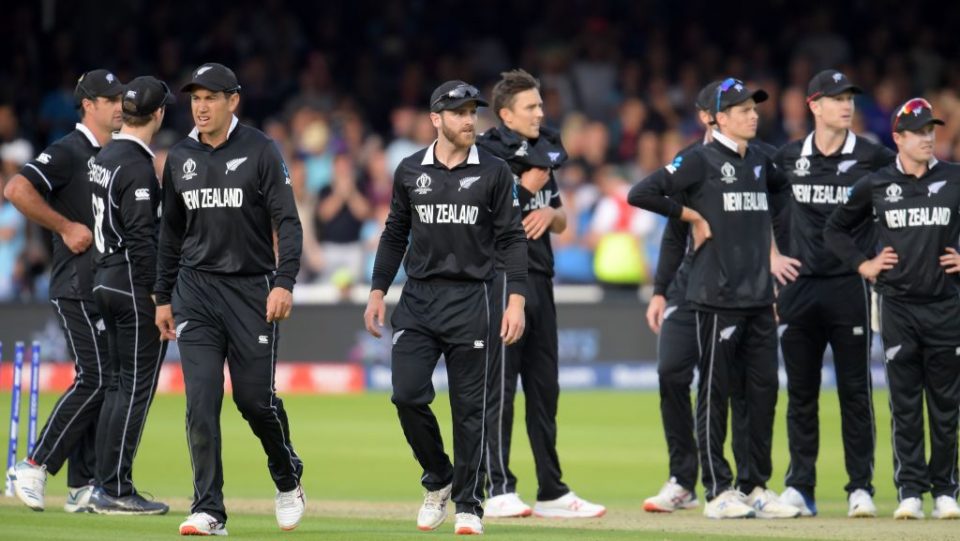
point(164, 320)
point(77, 237)
point(784, 268)
point(375, 312)
point(701, 232)
point(950, 261)
point(884, 261)
point(655, 311)
point(279, 304)
point(514, 321)
point(538, 222)
point(534, 179)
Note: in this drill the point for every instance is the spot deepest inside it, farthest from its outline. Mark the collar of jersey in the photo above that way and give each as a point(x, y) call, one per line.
point(930, 165)
point(848, 144)
point(726, 142)
point(472, 159)
point(88, 134)
point(137, 140)
point(195, 133)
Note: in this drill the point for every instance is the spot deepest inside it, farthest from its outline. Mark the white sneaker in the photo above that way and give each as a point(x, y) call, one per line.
point(289, 508)
point(468, 524)
point(794, 497)
point(434, 509)
point(670, 498)
point(568, 506)
point(946, 508)
point(506, 506)
point(29, 483)
point(768, 504)
point(78, 499)
point(202, 524)
point(729, 504)
point(910, 508)
point(861, 505)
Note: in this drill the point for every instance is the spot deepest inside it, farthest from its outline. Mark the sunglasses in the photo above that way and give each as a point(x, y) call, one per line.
point(726, 85)
point(460, 92)
point(913, 106)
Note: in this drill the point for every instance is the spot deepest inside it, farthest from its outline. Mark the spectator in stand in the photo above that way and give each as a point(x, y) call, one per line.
point(341, 211)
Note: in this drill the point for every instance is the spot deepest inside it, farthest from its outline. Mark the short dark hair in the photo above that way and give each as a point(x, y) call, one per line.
point(510, 84)
point(136, 121)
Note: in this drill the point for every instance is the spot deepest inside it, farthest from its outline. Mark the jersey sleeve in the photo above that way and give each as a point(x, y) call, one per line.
point(278, 193)
point(838, 231)
point(51, 169)
point(173, 218)
point(673, 246)
point(509, 237)
point(395, 236)
point(652, 193)
point(138, 195)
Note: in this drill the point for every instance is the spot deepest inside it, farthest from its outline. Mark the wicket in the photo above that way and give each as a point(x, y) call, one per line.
point(15, 403)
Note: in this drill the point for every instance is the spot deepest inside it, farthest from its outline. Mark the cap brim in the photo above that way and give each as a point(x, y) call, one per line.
point(929, 121)
point(445, 105)
point(189, 87)
point(111, 92)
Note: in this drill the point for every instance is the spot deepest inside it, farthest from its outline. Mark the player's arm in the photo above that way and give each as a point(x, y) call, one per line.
point(278, 193)
point(652, 193)
point(511, 252)
point(390, 250)
point(173, 220)
point(673, 247)
point(550, 218)
point(137, 192)
point(838, 233)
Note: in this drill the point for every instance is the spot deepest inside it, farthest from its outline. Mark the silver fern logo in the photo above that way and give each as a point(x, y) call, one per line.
point(232, 165)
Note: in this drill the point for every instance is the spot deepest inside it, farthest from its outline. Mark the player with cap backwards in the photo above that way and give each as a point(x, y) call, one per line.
point(125, 201)
point(913, 205)
point(456, 207)
point(221, 290)
point(53, 190)
point(725, 188)
point(825, 301)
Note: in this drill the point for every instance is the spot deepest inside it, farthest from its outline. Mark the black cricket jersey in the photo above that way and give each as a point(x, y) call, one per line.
point(819, 184)
point(126, 201)
point(521, 154)
point(463, 223)
point(60, 174)
point(220, 209)
point(731, 271)
point(917, 217)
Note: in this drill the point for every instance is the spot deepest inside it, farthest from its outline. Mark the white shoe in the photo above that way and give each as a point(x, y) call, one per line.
point(78, 499)
point(768, 504)
point(434, 509)
point(794, 497)
point(910, 508)
point(29, 483)
point(506, 506)
point(568, 506)
point(729, 504)
point(670, 498)
point(946, 508)
point(202, 524)
point(861, 505)
point(468, 524)
point(289, 508)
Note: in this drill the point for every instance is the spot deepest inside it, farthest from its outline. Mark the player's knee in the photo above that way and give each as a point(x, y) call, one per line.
point(252, 404)
point(404, 397)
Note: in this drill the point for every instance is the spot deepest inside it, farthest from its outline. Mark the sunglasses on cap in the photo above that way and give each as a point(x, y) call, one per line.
point(726, 85)
point(913, 106)
point(460, 92)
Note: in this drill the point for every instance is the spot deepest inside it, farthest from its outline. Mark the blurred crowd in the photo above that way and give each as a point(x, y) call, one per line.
point(344, 95)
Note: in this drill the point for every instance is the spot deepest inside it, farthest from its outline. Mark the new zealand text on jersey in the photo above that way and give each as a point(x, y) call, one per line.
point(917, 217)
point(539, 200)
point(203, 198)
point(820, 194)
point(744, 201)
point(447, 213)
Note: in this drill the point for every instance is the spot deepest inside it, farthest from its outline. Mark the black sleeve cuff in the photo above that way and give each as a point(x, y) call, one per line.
point(285, 282)
point(161, 298)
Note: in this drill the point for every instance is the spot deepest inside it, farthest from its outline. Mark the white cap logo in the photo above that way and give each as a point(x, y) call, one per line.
point(202, 70)
point(837, 77)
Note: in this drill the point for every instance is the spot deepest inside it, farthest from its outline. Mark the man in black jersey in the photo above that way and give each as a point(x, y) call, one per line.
point(125, 198)
point(53, 191)
point(828, 302)
point(457, 205)
point(913, 206)
point(221, 290)
point(532, 151)
point(725, 187)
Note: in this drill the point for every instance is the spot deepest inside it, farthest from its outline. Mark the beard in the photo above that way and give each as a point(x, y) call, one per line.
point(460, 139)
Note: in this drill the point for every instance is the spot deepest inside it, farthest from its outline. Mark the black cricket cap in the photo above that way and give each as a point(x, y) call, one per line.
point(453, 94)
point(914, 115)
point(732, 92)
point(214, 77)
point(98, 83)
point(707, 96)
point(830, 83)
point(144, 95)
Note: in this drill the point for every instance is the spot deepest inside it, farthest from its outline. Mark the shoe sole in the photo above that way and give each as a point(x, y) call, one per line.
point(567, 514)
point(907, 517)
point(862, 514)
point(945, 517)
point(77, 509)
point(127, 513)
point(651, 507)
point(467, 531)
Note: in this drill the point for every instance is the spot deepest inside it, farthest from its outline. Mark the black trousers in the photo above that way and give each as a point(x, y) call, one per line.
point(678, 354)
point(461, 321)
point(738, 360)
point(70, 430)
point(534, 360)
point(136, 353)
point(815, 312)
point(221, 317)
point(921, 345)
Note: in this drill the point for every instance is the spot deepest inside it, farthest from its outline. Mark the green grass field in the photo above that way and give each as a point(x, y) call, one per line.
point(362, 482)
